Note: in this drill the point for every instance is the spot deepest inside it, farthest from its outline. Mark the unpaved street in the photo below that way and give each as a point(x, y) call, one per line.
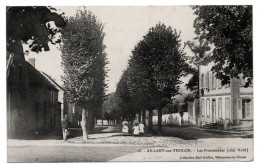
point(68, 153)
point(111, 145)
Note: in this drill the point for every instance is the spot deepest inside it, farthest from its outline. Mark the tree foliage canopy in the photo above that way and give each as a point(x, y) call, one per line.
point(201, 56)
point(161, 60)
point(37, 23)
point(84, 60)
point(153, 74)
point(229, 28)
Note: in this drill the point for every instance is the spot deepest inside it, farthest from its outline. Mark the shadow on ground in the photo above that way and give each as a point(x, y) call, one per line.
point(185, 132)
point(188, 132)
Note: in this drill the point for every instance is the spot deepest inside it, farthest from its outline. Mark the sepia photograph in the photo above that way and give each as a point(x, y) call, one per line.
point(129, 83)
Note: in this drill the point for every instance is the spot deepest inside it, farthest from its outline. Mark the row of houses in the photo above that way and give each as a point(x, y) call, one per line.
point(229, 104)
point(35, 102)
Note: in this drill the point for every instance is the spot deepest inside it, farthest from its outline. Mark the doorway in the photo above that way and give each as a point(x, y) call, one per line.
point(213, 118)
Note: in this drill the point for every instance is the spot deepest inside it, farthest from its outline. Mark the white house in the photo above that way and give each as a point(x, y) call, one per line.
point(231, 103)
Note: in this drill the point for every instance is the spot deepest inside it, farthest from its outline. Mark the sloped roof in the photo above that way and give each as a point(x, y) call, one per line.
point(54, 83)
point(36, 77)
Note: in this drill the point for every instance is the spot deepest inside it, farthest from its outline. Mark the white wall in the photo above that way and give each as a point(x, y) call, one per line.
point(174, 119)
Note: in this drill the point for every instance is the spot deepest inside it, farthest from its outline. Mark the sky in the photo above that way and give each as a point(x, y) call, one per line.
point(124, 28)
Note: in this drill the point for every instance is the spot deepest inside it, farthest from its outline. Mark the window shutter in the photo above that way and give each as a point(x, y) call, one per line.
point(207, 80)
point(202, 81)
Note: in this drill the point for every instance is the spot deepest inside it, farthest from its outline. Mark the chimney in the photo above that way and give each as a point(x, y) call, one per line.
point(32, 61)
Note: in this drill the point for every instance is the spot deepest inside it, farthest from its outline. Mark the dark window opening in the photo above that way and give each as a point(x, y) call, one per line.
point(37, 111)
point(45, 113)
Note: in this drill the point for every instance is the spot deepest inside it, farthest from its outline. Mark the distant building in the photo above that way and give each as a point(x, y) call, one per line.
point(229, 103)
point(32, 101)
point(74, 113)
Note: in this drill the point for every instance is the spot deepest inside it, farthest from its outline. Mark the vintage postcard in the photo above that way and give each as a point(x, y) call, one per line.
point(129, 83)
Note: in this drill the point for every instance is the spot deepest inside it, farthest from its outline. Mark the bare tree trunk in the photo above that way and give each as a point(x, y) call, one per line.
point(139, 116)
point(150, 122)
point(83, 124)
point(143, 114)
point(92, 123)
point(160, 120)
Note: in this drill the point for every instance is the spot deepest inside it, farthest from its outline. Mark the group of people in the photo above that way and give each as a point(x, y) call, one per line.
point(128, 128)
point(136, 130)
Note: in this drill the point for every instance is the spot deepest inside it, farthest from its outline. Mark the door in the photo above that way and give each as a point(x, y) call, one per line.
point(246, 108)
point(213, 118)
point(45, 114)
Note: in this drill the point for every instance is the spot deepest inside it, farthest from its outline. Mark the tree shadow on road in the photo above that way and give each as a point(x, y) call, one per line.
point(194, 133)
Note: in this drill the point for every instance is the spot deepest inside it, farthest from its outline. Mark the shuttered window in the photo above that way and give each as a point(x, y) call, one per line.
point(220, 107)
point(203, 107)
point(207, 107)
point(207, 80)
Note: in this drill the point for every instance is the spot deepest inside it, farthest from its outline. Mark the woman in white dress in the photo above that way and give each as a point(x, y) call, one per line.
point(141, 128)
point(136, 130)
point(125, 128)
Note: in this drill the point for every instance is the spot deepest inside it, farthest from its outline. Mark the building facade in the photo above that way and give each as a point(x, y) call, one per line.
point(32, 101)
point(232, 104)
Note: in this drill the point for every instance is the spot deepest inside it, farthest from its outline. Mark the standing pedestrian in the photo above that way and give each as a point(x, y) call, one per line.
point(141, 127)
point(125, 129)
point(136, 130)
point(130, 128)
point(64, 125)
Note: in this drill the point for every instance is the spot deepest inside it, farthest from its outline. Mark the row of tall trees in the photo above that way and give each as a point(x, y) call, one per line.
point(84, 63)
point(152, 77)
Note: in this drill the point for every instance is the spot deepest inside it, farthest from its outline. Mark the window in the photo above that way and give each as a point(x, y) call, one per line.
point(207, 107)
point(227, 108)
point(214, 113)
point(207, 80)
point(202, 80)
point(36, 111)
point(202, 107)
point(246, 108)
point(45, 113)
point(220, 107)
point(73, 108)
point(213, 82)
point(52, 98)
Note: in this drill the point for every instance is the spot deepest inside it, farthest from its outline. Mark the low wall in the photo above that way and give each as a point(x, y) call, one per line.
point(171, 119)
